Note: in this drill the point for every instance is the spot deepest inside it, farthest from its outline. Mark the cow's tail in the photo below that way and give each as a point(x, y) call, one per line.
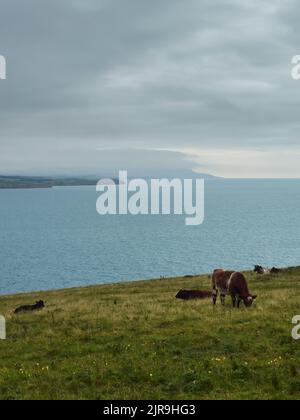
point(230, 280)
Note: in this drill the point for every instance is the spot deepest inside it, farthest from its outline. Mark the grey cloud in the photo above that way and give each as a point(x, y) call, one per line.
point(84, 160)
point(87, 74)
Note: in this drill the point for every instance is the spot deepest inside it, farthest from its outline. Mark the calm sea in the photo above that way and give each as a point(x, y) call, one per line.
point(54, 238)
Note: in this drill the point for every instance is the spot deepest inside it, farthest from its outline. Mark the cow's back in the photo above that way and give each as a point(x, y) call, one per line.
point(220, 279)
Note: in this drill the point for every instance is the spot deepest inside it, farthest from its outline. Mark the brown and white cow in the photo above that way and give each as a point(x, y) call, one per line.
point(231, 283)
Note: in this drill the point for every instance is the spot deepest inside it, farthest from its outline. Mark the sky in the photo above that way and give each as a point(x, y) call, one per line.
point(94, 86)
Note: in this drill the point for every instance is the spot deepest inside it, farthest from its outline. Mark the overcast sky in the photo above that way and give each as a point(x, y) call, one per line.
point(196, 84)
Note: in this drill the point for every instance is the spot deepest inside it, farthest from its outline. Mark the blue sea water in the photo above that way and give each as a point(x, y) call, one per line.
point(54, 238)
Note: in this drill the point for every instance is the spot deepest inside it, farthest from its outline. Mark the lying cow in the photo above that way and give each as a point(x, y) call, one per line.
point(30, 308)
point(231, 283)
point(263, 271)
point(192, 294)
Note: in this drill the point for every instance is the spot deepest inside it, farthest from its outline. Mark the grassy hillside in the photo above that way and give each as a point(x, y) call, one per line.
point(136, 341)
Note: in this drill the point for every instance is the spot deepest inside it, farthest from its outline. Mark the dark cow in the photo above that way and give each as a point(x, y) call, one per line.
point(192, 294)
point(231, 283)
point(275, 270)
point(30, 308)
point(258, 269)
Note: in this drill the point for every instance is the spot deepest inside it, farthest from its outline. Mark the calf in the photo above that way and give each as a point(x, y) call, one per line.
point(192, 294)
point(231, 283)
point(29, 308)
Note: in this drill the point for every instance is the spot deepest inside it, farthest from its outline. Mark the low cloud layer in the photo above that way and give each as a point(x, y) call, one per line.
point(207, 79)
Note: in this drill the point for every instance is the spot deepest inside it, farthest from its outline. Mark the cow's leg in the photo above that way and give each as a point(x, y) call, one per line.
point(214, 296)
point(234, 301)
point(222, 299)
point(238, 302)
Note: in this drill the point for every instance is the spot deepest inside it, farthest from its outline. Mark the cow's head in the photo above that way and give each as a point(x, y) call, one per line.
point(249, 300)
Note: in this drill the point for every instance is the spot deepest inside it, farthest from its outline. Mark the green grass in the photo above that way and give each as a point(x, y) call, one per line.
point(136, 341)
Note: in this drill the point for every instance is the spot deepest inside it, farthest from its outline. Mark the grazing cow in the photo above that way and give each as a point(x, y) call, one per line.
point(192, 294)
point(231, 283)
point(29, 308)
point(275, 270)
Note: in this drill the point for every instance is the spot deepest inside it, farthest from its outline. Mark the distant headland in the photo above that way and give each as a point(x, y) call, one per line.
point(26, 182)
point(33, 182)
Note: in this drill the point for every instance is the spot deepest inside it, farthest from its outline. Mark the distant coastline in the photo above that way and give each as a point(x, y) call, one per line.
point(20, 182)
point(35, 182)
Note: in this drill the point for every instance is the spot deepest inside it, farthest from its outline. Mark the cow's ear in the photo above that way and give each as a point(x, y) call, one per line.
point(254, 297)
